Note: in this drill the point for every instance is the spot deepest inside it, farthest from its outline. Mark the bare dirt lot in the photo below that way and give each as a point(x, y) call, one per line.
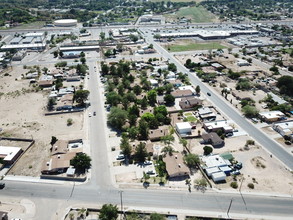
point(22, 114)
point(264, 172)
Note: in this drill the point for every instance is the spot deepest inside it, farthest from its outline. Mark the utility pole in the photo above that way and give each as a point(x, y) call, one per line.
point(229, 208)
point(121, 203)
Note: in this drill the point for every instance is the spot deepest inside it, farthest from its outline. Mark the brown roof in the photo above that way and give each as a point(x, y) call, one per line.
point(58, 161)
point(60, 147)
point(149, 147)
point(175, 165)
point(45, 83)
point(189, 102)
point(67, 99)
point(212, 138)
point(182, 93)
point(156, 134)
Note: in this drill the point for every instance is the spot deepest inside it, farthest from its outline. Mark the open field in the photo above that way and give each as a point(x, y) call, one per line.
point(22, 116)
point(188, 45)
point(197, 14)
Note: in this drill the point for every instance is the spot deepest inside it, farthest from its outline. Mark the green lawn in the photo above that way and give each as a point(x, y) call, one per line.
point(188, 114)
point(197, 14)
point(194, 46)
point(191, 118)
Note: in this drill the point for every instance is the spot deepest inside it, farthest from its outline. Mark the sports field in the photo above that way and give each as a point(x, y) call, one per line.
point(188, 46)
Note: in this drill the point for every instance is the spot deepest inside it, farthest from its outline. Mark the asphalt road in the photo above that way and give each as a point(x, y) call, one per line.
point(270, 145)
point(100, 190)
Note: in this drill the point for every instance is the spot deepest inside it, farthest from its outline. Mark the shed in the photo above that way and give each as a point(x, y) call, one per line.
point(219, 176)
point(183, 127)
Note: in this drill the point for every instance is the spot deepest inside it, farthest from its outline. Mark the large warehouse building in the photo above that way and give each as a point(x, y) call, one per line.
point(65, 22)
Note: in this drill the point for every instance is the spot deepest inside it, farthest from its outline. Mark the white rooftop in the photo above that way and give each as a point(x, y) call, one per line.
point(186, 88)
point(272, 114)
point(216, 124)
point(214, 161)
point(183, 125)
point(9, 152)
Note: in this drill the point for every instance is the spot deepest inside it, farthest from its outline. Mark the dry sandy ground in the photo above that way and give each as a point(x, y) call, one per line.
point(22, 115)
point(270, 176)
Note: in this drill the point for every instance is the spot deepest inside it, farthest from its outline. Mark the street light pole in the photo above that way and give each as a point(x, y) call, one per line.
point(229, 208)
point(121, 203)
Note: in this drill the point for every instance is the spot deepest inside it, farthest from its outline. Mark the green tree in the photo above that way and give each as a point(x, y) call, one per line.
point(140, 153)
point(53, 140)
point(183, 142)
point(207, 150)
point(113, 98)
point(197, 89)
point(102, 36)
point(152, 97)
point(285, 84)
point(169, 99)
point(80, 96)
point(172, 67)
point(133, 132)
point(144, 103)
point(250, 111)
point(82, 60)
point(125, 147)
point(105, 69)
point(117, 117)
point(108, 212)
point(58, 83)
point(137, 90)
point(81, 161)
point(56, 53)
point(51, 103)
point(143, 129)
point(156, 216)
point(133, 37)
point(168, 139)
point(191, 160)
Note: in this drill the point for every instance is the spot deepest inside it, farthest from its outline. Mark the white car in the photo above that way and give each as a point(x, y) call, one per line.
point(120, 157)
point(90, 114)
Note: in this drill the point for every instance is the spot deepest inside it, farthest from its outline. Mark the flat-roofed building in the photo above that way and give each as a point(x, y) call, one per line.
point(10, 154)
point(272, 116)
point(218, 125)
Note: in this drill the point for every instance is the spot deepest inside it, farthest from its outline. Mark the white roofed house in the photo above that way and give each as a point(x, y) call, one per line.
point(272, 116)
point(183, 128)
point(9, 154)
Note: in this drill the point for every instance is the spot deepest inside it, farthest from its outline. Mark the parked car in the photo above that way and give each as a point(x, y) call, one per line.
point(150, 172)
point(90, 114)
point(2, 185)
point(235, 172)
point(209, 94)
point(148, 163)
point(229, 134)
point(94, 113)
point(238, 165)
point(120, 157)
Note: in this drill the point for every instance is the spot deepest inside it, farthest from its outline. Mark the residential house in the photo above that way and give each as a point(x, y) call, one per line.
point(182, 93)
point(157, 134)
point(59, 163)
point(239, 95)
point(284, 128)
point(176, 167)
point(218, 125)
point(213, 139)
point(9, 154)
point(143, 111)
point(272, 116)
point(183, 128)
point(189, 102)
point(206, 114)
